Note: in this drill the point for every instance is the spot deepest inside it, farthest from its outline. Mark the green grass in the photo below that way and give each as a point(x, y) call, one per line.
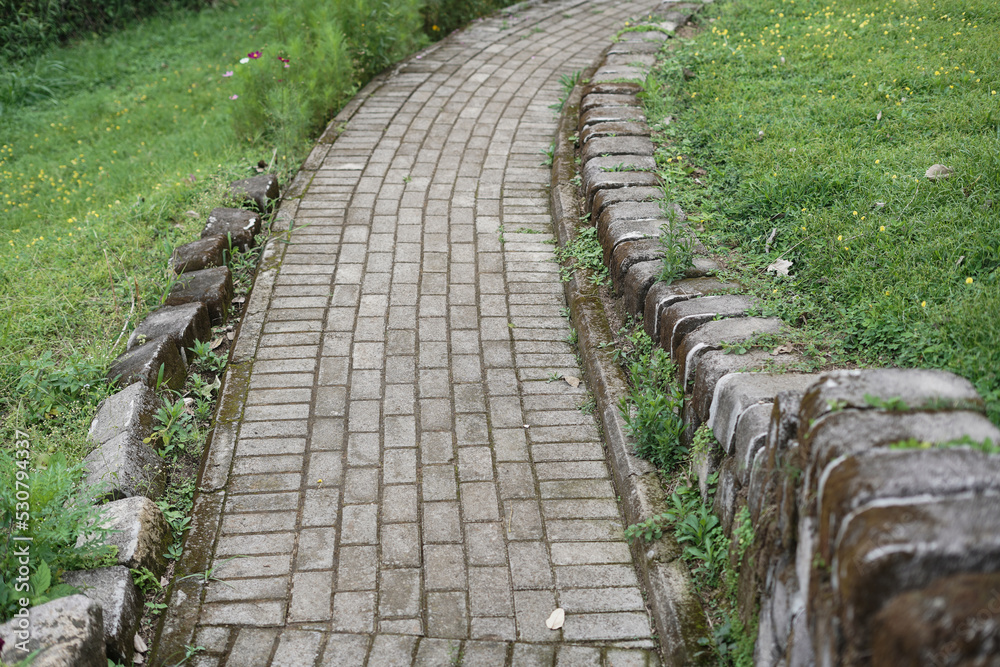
point(817, 121)
point(99, 174)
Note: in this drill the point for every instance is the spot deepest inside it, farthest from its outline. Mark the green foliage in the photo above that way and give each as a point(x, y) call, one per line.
point(145, 581)
point(892, 404)
point(652, 409)
point(48, 388)
point(312, 57)
point(57, 511)
point(986, 446)
point(677, 246)
point(177, 428)
point(583, 252)
point(442, 16)
point(207, 360)
point(567, 82)
point(30, 26)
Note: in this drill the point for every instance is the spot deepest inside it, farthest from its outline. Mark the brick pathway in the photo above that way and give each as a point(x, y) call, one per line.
point(407, 483)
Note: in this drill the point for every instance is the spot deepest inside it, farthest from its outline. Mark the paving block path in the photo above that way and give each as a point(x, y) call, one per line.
point(408, 484)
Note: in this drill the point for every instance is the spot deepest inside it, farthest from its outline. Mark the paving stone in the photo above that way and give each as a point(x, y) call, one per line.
point(402, 358)
point(184, 325)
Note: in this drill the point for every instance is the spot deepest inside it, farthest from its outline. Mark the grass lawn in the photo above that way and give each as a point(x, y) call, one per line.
point(802, 130)
point(112, 152)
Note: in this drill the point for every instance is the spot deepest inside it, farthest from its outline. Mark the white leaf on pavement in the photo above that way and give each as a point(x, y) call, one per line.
point(779, 267)
point(556, 619)
point(572, 381)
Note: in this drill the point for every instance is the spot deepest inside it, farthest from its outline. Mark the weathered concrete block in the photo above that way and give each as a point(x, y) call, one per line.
point(636, 48)
point(953, 621)
point(893, 547)
point(260, 190)
point(605, 198)
point(588, 102)
point(851, 482)
point(601, 146)
point(157, 361)
point(121, 604)
point(701, 267)
point(683, 317)
point(626, 129)
point(201, 254)
point(631, 211)
point(647, 60)
point(130, 410)
point(712, 366)
point(184, 325)
point(124, 467)
point(632, 252)
point(627, 230)
point(897, 388)
point(139, 531)
point(711, 335)
point(726, 495)
point(664, 294)
point(766, 474)
point(610, 115)
point(612, 87)
point(624, 72)
point(750, 435)
point(236, 225)
point(849, 432)
point(615, 180)
point(640, 277)
point(645, 36)
point(212, 287)
point(613, 163)
point(736, 392)
point(66, 632)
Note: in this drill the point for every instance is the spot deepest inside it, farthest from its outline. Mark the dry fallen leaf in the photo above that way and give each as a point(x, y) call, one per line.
point(878, 117)
point(938, 172)
point(556, 619)
point(779, 267)
point(139, 644)
point(787, 348)
point(230, 335)
point(191, 214)
point(572, 381)
point(137, 659)
point(217, 342)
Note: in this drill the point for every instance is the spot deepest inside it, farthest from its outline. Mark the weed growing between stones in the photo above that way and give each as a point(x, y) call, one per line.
point(583, 252)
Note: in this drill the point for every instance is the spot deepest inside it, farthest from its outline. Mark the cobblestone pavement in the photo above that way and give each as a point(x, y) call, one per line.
point(408, 484)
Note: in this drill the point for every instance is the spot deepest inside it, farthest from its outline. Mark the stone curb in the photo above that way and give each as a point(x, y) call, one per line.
point(677, 613)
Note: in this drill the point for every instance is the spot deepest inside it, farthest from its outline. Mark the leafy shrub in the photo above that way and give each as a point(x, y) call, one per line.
point(313, 58)
point(30, 26)
point(59, 510)
point(652, 410)
point(443, 16)
point(47, 388)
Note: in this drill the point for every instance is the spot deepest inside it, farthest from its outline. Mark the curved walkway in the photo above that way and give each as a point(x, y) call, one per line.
point(395, 478)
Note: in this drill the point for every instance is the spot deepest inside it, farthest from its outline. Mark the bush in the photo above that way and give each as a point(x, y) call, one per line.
point(30, 26)
point(57, 511)
point(443, 16)
point(313, 57)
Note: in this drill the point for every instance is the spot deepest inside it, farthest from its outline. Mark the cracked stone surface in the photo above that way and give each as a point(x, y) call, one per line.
point(407, 485)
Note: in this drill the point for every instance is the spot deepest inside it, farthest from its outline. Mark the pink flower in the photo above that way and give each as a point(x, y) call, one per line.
point(254, 55)
point(287, 65)
point(229, 73)
point(233, 96)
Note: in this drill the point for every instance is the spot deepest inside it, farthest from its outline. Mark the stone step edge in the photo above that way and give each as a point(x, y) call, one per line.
point(677, 613)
